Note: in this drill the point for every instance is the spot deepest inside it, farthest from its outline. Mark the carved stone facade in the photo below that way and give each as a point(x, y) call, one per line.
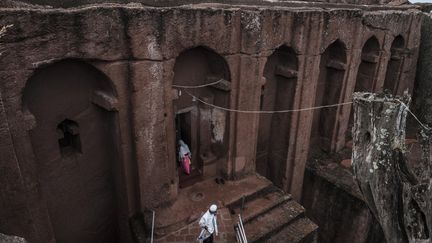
point(94, 87)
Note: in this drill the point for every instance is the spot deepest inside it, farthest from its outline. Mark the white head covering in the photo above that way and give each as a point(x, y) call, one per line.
point(213, 208)
point(183, 150)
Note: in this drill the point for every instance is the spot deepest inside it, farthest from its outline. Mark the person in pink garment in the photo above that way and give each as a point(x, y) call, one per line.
point(184, 156)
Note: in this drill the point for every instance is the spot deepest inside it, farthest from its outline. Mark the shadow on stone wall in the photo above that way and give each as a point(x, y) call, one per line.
point(423, 88)
point(333, 201)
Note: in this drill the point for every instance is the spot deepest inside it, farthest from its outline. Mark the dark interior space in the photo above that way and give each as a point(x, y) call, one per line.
point(186, 131)
point(69, 140)
point(184, 127)
point(277, 94)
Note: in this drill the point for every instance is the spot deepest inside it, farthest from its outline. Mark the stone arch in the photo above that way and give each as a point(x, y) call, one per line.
point(203, 128)
point(277, 93)
point(394, 66)
point(333, 65)
point(75, 149)
point(366, 74)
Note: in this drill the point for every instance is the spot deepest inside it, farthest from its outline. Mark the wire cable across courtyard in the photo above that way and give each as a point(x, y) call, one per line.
point(278, 111)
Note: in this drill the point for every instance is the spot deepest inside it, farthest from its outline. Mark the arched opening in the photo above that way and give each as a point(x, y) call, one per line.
point(201, 127)
point(328, 91)
point(366, 74)
point(74, 146)
point(277, 93)
point(365, 80)
point(394, 65)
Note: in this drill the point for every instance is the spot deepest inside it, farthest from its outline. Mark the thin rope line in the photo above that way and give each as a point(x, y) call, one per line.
point(281, 111)
point(197, 86)
point(415, 117)
point(266, 112)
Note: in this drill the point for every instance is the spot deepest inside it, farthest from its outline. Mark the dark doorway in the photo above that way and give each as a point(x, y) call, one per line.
point(186, 130)
point(328, 91)
point(75, 151)
point(208, 130)
point(184, 127)
point(394, 65)
point(277, 93)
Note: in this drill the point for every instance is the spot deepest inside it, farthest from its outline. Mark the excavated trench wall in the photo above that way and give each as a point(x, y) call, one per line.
point(422, 98)
point(128, 53)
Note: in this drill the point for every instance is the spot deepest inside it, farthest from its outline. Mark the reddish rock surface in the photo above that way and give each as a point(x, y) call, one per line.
point(123, 139)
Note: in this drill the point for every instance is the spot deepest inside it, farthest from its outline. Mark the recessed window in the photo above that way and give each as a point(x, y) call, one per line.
point(69, 139)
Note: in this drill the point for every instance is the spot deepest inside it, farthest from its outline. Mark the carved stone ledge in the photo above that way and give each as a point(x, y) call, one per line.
point(105, 100)
point(335, 64)
point(286, 72)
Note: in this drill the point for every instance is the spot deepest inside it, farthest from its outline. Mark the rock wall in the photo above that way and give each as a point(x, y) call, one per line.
point(422, 97)
point(333, 201)
point(136, 48)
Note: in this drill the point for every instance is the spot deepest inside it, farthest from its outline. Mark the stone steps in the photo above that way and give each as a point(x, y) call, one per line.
point(270, 223)
point(302, 230)
point(261, 205)
point(269, 215)
point(188, 210)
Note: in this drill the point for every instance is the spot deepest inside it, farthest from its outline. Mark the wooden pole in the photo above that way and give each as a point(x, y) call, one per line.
point(399, 197)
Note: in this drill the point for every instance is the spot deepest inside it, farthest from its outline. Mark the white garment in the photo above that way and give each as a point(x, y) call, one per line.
point(183, 150)
point(209, 220)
